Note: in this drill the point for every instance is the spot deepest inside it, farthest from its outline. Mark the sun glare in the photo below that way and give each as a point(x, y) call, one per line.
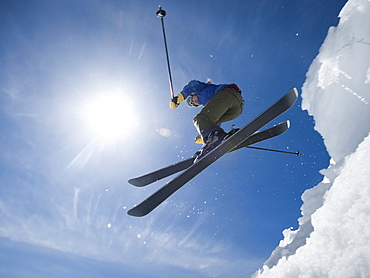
point(109, 117)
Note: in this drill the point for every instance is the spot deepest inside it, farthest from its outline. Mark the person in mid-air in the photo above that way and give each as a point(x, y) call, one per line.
point(221, 103)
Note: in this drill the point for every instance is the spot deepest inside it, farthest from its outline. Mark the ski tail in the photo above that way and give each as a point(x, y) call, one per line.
point(161, 173)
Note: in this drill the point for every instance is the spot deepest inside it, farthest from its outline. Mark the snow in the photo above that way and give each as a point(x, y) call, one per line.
point(336, 91)
point(333, 238)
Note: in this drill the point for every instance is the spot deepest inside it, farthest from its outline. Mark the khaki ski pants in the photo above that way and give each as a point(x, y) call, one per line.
point(226, 105)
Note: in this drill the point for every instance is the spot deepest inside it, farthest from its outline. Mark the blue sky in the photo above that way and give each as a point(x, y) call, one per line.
point(64, 191)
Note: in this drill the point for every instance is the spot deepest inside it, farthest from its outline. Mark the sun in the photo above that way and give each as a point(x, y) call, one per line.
point(109, 117)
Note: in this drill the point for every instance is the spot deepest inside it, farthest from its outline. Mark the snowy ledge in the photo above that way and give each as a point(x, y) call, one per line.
point(333, 239)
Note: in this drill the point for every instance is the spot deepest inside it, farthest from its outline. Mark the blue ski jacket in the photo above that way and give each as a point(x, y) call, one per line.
point(204, 91)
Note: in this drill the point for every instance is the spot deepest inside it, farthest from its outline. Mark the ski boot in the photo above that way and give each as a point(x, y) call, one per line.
point(213, 140)
point(199, 140)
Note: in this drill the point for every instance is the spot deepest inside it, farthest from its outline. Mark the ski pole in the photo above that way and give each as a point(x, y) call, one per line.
point(278, 151)
point(161, 13)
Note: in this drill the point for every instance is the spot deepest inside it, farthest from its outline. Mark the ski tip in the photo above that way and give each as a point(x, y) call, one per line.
point(284, 124)
point(295, 91)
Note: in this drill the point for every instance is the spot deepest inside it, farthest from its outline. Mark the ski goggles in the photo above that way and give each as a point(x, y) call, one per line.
point(189, 102)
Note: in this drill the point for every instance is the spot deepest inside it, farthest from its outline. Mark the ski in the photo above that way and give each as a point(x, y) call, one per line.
point(157, 175)
point(231, 143)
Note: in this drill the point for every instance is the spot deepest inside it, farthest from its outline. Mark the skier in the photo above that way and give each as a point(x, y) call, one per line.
point(221, 103)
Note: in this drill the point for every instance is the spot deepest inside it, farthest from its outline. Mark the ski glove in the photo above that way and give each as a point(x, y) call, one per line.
point(175, 101)
point(199, 140)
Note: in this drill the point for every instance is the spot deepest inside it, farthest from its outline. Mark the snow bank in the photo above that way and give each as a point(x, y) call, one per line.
point(333, 239)
point(339, 246)
point(337, 88)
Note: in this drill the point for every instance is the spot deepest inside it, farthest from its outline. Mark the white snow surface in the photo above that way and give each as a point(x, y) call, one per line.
point(333, 238)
